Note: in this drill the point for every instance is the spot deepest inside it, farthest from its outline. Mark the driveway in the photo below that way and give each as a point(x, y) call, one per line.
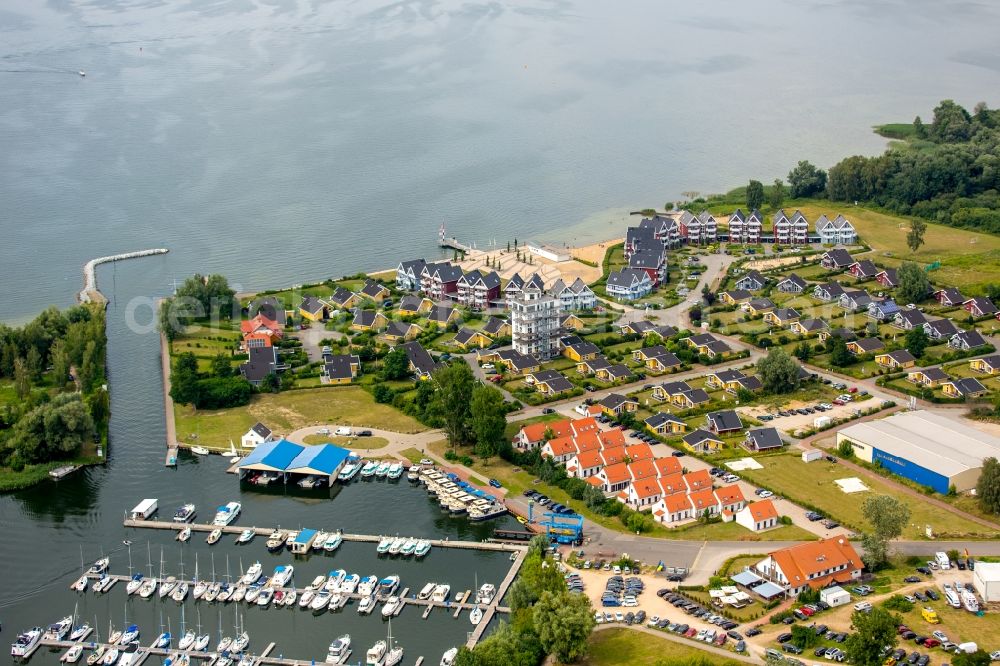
point(310, 339)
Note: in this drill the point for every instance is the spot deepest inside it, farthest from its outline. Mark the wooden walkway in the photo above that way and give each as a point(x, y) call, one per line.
point(365, 538)
point(494, 607)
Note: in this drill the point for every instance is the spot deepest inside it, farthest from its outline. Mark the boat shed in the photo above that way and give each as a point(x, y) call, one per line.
point(287, 458)
point(303, 541)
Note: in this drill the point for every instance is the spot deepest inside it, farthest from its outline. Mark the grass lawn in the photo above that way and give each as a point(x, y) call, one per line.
point(734, 532)
point(969, 260)
point(514, 426)
point(287, 411)
point(413, 455)
point(813, 483)
point(958, 624)
point(624, 647)
point(365, 443)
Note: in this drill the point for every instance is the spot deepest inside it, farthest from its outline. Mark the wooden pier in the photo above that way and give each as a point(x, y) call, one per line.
point(494, 606)
point(365, 538)
point(460, 602)
point(207, 657)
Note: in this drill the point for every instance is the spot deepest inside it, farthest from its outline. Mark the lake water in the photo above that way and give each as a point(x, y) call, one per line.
point(281, 142)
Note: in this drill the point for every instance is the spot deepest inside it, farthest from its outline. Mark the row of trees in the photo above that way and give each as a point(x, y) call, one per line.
point(217, 389)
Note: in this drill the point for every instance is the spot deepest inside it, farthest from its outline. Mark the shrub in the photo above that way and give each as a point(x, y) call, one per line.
point(897, 603)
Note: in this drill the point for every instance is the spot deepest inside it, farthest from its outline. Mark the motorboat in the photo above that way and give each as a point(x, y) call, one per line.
point(100, 566)
point(368, 471)
point(25, 642)
point(448, 658)
point(201, 643)
point(408, 547)
point(413, 474)
point(350, 584)
point(382, 469)
point(476, 616)
point(395, 471)
point(180, 592)
point(290, 538)
point(111, 656)
point(252, 593)
point(306, 598)
point(319, 540)
point(320, 601)
point(213, 536)
point(80, 584)
point(246, 660)
point(241, 642)
point(274, 545)
point(246, 536)
point(104, 583)
point(333, 542)
point(383, 545)
point(134, 584)
point(367, 604)
point(396, 545)
point(200, 450)
point(492, 510)
point(185, 514)
point(290, 597)
point(130, 634)
point(337, 577)
point(96, 656)
point(391, 606)
point(79, 632)
point(282, 575)
point(58, 630)
point(226, 514)
point(422, 548)
point(425, 591)
point(316, 583)
point(441, 593)
point(367, 585)
point(72, 655)
point(375, 655)
point(163, 640)
point(148, 588)
point(486, 593)
point(252, 574)
point(184, 534)
point(130, 654)
point(388, 586)
point(265, 596)
point(350, 470)
point(339, 651)
point(167, 586)
point(337, 601)
point(239, 593)
point(187, 640)
point(311, 481)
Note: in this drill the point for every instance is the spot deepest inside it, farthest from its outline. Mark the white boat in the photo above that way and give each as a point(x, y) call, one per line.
point(167, 586)
point(187, 640)
point(441, 593)
point(969, 601)
point(320, 601)
point(350, 584)
point(213, 536)
point(225, 515)
point(368, 471)
point(426, 590)
point(185, 514)
point(319, 540)
point(339, 651)
point(180, 592)
point(396, 545)
point(252, 593)
point(413, 474)
point(265, 596)
point(111, 656)
point(25, 642)
point(80, 584)
point(252, 574)
point(317, 583)
point(212, 592)
point(114, 637)
point(200, 588)
point(104, 584)
point(306, 598)
point(130, 634)
point(333, 542)
point(310, 481)
point(72, 655)
point(246, 660)
point(80, 632)
point(337, 601)
point(163, 640)
point(476, 616)
point(408, 547)
point(60, 629)
point(184, 534)
point(134, 584)
point(395, 653)
point(130, 654)
point(391, 606)
point(238, 594)
point(367, 585)
point(226, 592)
point(241, 642)
point(223, 645)
point(246, 536)
point(201, 643)
point(383, 545)
point(395, 470)
point(96, 656)
point(148, 588)
point(376, 655)
point(388, 586)
point(282, 575)
point(382, 469)
point(100, 566)
point(448, 658)
point(290, 597)
point(349, 471)
point(422, 548)
point(337, 576)
point(199, 450)
point(367, 604)
point(486, 593)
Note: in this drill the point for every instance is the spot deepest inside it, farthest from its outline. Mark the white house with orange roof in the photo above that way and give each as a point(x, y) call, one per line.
point(642, 494)
point(703, 501)
point(698, 480)
point(674, 508)
point(614, 478)
point(585, 464)
point(731, 500)
point(668, 466)
point(532, 435)
point(559, 449)
point(813, 564)
point(758, 516)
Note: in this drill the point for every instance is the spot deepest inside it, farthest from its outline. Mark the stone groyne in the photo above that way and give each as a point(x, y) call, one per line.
point(90, 292)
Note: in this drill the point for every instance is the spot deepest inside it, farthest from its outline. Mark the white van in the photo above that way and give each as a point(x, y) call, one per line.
point(942, 560)
point(863, 606)
point(344, 431)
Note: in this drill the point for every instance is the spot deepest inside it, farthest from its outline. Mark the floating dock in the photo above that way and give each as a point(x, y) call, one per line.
point(494, 606)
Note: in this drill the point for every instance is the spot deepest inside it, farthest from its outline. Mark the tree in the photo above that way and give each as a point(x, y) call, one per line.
point(777, 196)
point(60, 363)
point(22, 379)
point(454, 388)
point(840, 355)
point(804, 637)
point(873, 632)
point(917, 341)
point(951, 124)
point(382, 393)
point(184, 379)
point(977, 658)
point(396, 364)
point(488, 420)
point(913, 283)
point(53, 430)
point(564, 622)
point(707, 295)
point(915, 237)
point(919, 129)
point(845, 449)
point(803, 351)
point(805, 180)
point(778, 372)
point(887, 517)
point(988, 486)
point(755, 195)
point(222, 365)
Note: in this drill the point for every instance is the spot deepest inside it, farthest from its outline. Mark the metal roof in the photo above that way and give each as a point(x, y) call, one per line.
point(285, 456)
point(934, 442)
point(320, 459)
point(273, 456)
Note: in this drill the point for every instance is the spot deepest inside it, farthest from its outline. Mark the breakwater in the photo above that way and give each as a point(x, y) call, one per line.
point(90, 293)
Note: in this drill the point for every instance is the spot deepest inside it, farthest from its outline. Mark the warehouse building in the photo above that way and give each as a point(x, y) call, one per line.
point(924, 447)
point(986, 578)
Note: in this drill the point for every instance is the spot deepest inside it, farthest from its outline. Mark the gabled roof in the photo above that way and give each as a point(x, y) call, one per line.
point(804, 563)
point(413, 266)
point(943, 327)
point(729, 494)
point(865, 267)
point(615, 400)
point(318, 459)
point(762, 511)
point(698, 479)
point(833, 288)
point(516, 282)
point(261, 429)
point(934, 374)
point(373, 288)
point(399, 328)
point(761, 304)
point(888, 275)
point(646, 258)
point(697, 396)
point(900, 356)
point(448, 273)
point(726, 419)
point(276, 455)
point(671, 388)
point(840, 257)
point(753, 276)
point(410, 303)
point(489, 280)
point(419, 357)
point(982, 304)
point(579, 287)
point(702, 499)
point(661, 418)
point(311, 304)
point(270, 307)
point(341, 296)
point(706, 217)
point(627, 278)
point(261, 362)
point(991, 361)
point(811, 325)
point(464, 335)
point(668, 465)
point(618, 371)
point(535, 432)
point(794, 279)
point(869, 344)
point(493, 326)
point(366, 317)
point(912, 316)
point(968, 385)
point(339, 366)
point(556, 382)
point(535, 282)
point(786, 313)
point(950, 294)
point(440, 314)
point(765, 438)
point(698, 436)
point(738, 294)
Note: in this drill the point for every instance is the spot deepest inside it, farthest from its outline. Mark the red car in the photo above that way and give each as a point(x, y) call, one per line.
point(690, 632)
point(809, 612)
point(854, 389)
point(932, 642)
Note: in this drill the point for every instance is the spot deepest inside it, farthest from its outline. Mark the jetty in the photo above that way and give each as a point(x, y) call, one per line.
point(494, 606)
point(90, 292)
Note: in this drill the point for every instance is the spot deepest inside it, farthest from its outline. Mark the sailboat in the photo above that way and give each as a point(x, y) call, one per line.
point(199, 585)
point(80, 585)
point(477, 613)
point(98, 653)
point(395, 653)
point(187, 637)
point(201, 643)
point(163, 640)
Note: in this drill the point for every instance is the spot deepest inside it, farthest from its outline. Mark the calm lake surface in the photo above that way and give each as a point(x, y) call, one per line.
point(281, 142)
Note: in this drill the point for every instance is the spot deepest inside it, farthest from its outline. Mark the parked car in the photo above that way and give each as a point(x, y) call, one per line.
point(495, 483)
point(364, 433)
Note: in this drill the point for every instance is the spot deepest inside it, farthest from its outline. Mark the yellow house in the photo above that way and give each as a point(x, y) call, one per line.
point(781, 316)
point(690, 399)
point(929, 377)
point(442, 315)
point(414, 305)
point(468, 337)
point(550, 382)
point(665, 424)
point(344, 299)
point(497, 328)
point(702, 441)
point(398, 331)
point(615, 404)
point(896, 360)
point(758, 306)
point(374, 291)
point(612, 373)
point(369, 320)
point(312, 309)
point(663, 363)
point(570, 322)
point(735, 296)
point(989, 365)
point(579, 350)
point(341, 369)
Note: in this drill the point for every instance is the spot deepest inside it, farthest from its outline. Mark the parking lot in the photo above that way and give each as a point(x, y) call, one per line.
point(799, 415)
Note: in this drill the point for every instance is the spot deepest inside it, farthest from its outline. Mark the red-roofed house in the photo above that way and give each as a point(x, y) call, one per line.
point(758, 516)
point(703, 502)
point(614, 478)
point(668, 466)
point(672, 508)
point(698, 480)
point(532, 435)
point(813, 564)
point(613, 437)
point(260, 332)
point(643, 494)
point(587, 424)
point(585, 464)
point(730, 500)
point(559, 449)
point(672, 484)
point(639, 452)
